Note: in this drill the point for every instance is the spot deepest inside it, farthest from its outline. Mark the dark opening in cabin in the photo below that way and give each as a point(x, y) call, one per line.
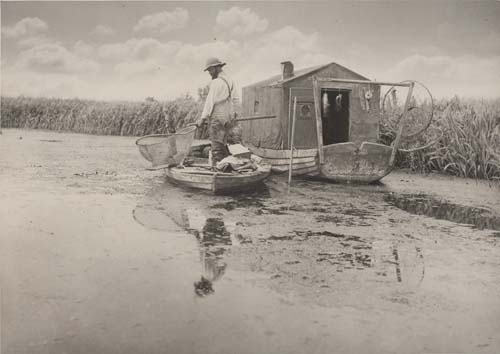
point(335, 115)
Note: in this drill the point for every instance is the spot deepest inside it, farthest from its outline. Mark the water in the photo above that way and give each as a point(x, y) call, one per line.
point(142, 278)
point(92, 263)
point(234, 315)
point(421, 204)
point(217, 232)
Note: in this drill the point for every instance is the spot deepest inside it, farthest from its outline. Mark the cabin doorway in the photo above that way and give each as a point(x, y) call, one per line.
point(335, 115)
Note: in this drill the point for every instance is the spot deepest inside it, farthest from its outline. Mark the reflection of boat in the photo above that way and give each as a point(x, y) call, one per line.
point(327, 115)
point(201, 177)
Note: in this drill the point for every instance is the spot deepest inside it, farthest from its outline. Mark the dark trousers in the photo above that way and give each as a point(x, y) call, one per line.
point(218, 132)
point(219, 152)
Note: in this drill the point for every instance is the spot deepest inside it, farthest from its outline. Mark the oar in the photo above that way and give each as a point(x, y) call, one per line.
point(291, 143)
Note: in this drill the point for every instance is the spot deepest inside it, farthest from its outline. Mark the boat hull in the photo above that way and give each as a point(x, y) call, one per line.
point(305, 161)
point(351, 163)
point(217, 182)
point(343, 162)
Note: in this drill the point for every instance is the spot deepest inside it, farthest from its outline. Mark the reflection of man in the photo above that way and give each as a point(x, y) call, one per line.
point(213, 238)
point(218, 110)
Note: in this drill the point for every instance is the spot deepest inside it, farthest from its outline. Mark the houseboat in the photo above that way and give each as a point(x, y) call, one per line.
point(322, 121)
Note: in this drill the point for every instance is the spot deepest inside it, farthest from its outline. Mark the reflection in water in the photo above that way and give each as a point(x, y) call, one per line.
point(203, 287)
point(356, 253)
point(422, 204)
point(152, 217)
point(396, 262)
point(213, 234)
point(408, 261)
point(254, 198)
point(214, 238)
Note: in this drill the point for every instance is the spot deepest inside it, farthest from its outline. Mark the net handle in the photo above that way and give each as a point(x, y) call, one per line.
point(183, 131)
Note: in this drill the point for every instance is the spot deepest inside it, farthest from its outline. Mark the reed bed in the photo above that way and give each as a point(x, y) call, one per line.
point(463, 139)
point(96, 117)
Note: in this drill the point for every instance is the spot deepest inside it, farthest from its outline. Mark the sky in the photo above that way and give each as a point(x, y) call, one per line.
point(121, 50)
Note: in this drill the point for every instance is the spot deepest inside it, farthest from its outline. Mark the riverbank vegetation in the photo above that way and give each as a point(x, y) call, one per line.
point(99, 117)
point(463, 139)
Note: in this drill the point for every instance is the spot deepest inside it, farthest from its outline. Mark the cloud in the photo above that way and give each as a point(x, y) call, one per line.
point(136, 68)
point(194, 56)
point(462, 38)
point(163, 22)
point(28, 26)
point(139, 49)
point(490, 42)
point(141, 67)
point(114, 51)
point(83, 49)
point(263, 56)
point(291, 40)
point(237, 21)
point(101, 30)
point(37, 40)
point(53, 58)
point(16, 83)
point(446, 76)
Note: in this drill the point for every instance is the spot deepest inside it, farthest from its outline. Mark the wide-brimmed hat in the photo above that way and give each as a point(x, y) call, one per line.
point(213, 62)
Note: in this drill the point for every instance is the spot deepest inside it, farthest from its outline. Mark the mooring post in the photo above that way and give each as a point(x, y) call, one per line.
point(291, 143)
point(319, 123)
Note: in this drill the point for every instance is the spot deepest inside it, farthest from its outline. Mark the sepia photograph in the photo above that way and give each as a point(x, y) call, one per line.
point(250, 177)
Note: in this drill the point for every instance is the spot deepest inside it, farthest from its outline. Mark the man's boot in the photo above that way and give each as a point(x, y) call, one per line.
point(219, 152)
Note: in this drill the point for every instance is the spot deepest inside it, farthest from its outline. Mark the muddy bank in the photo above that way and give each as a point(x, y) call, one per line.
point(99, 255)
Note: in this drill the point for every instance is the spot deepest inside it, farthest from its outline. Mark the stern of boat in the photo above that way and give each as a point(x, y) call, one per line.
point(348, 162)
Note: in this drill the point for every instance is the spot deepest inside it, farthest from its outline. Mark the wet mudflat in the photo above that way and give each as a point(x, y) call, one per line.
point(100, 256)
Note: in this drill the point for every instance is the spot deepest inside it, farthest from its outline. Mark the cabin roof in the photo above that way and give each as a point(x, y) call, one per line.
point(276, 79)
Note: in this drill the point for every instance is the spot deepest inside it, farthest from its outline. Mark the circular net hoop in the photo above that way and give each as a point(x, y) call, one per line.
point(167, 149)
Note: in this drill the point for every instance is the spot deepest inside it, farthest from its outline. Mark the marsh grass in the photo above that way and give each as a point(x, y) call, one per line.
point(463, 139)
point(97, 117)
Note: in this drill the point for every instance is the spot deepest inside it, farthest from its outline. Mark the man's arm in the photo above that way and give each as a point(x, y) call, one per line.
point(209, 103)
point(215, 91)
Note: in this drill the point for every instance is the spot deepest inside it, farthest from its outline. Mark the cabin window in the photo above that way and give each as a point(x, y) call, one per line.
point(256, 107)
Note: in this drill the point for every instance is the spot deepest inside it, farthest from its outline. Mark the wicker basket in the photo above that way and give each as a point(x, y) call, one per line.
point(165, 150)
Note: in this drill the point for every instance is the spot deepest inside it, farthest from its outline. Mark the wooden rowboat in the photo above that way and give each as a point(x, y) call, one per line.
point(200, 177)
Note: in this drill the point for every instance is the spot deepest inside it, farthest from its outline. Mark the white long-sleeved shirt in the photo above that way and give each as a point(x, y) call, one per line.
point(218, 93)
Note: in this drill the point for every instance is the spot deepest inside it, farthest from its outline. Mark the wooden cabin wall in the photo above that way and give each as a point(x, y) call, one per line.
point(366, 125)
point(363, 124)
point(265, 133)
point(364, 116)
point(305, 128)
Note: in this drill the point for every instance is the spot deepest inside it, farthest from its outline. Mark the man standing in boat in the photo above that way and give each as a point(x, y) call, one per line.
point(218, 111)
